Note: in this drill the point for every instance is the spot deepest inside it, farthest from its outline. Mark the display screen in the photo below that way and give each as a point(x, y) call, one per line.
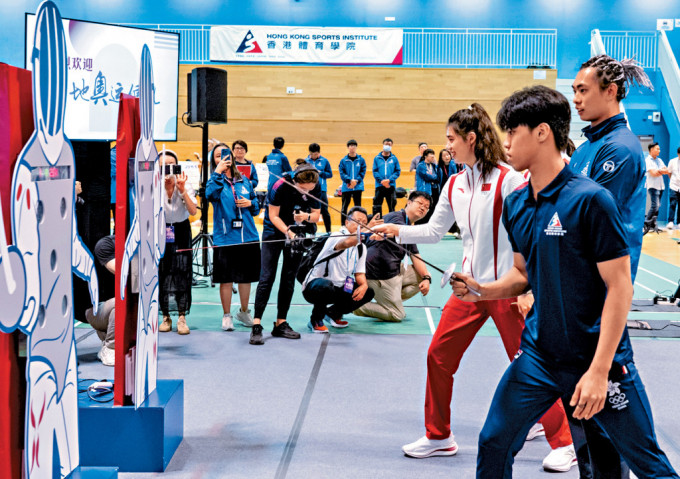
point(103, 62)
point(50, 173)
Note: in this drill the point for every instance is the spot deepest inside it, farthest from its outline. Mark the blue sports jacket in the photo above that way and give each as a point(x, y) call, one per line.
point(352, 170)
point(221, 193)
point(612, 156)
point(427, 176)
point(386, 169)
point(324, 168)
point(277, 163)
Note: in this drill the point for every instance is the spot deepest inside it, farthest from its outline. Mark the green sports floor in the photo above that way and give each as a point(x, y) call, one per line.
point(654, 276)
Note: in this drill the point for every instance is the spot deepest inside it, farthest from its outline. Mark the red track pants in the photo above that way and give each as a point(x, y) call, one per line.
point(457, 328)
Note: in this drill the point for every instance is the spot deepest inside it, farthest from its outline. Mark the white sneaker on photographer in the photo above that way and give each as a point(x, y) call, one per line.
point(245, 317)
point(425, 447)
point(561, 459)
point(227, 322)
point(107, 356)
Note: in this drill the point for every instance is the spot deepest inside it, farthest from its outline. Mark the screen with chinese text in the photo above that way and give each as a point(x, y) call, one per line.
point(103, 62)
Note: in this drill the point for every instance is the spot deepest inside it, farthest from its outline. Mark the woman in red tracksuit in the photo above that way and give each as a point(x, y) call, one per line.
point(474, 199)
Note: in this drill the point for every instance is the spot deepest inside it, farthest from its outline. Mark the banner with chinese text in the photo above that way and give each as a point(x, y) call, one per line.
point(233, 43)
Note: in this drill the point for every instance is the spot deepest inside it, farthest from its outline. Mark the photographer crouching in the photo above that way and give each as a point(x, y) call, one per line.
point(338, 277)
point(290, 214)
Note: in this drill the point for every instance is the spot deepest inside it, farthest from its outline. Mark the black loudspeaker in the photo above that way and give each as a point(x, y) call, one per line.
point(207, 95)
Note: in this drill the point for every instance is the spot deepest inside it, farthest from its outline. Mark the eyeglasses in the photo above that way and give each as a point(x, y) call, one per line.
point(239, 148)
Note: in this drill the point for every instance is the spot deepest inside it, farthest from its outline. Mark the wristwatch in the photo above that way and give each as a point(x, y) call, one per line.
point(428, 278)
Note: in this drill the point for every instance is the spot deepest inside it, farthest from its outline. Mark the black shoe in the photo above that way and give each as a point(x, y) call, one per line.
point(256, 335)
point(284, 330)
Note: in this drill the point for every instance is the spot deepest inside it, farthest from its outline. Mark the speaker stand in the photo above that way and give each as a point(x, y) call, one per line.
point(204, 240)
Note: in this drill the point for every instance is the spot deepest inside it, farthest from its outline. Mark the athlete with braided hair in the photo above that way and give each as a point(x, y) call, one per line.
point(612, 157)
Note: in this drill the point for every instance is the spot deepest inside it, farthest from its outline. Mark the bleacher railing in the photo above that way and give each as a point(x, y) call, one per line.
point(480, 48)
point(423, 47)
point(194, 40)
point(639, 45)
point(670, 71)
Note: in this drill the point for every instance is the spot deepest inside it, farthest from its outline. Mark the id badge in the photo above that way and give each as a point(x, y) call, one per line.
point(236, 224)
point(169, 234)
point(349, 284)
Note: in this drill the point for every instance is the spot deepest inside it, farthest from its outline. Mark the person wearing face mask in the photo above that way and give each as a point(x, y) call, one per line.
point(386, 170)
point(474, 198)
point(428, 177)
point(234, 204)
point(174, 269)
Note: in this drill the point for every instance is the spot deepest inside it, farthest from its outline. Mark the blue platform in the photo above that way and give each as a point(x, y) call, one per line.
point(94, 473)
point(134, 440)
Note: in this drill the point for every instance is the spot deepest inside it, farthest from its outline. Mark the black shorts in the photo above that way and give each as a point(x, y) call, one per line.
point(237, 264)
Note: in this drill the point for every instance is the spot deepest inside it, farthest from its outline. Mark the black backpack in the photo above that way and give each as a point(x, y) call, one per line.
point(310, 258)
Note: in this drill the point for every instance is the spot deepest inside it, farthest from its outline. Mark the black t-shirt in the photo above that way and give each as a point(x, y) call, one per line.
point(105, 249)
point(384, 258)
point(288, 198)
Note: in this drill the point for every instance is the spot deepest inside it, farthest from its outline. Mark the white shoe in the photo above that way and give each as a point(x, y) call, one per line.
point(227, 322)
point(669, 226)
point(107, 356)
point(535, 431)
point(425, 447)
point(561, 459)
point(245, 317)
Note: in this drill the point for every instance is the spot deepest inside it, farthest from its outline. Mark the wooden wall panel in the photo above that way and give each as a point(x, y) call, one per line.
point(365, 103)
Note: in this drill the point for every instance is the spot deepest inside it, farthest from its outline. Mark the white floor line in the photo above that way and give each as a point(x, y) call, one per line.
point(658, 276)
point(645, 287)
point(429, 319)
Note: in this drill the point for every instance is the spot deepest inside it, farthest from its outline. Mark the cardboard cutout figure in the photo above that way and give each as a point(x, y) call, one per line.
point(146, 238)
point(36, 291)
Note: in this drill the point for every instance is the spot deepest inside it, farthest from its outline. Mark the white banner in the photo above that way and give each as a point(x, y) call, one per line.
point(233, 43)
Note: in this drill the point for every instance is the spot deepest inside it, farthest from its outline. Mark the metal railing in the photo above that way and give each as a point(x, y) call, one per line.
point(194, 40)
point(639, 45)
point(423, 47)
point(670, 71)
point(480, 48)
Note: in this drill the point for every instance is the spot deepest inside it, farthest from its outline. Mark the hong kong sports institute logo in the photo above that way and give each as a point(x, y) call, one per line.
point(249, 44)
point(555, 227)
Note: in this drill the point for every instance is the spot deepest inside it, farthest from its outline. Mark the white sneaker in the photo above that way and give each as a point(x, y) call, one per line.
point(561, 459)
point(107, 356)
point(535, 431)
point(227, 322)
point(245, 317)
point(425, 447)
point(669, 226)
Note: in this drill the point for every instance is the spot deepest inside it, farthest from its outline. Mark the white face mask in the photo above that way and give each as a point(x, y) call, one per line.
point(387, 148)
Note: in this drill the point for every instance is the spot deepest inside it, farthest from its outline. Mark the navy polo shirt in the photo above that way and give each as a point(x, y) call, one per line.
point(572, 225)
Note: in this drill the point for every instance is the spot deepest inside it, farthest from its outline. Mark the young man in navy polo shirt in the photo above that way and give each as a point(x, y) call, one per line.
point(570, 248)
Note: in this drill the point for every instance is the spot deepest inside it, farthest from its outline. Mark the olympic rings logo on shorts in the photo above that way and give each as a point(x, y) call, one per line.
point(618, 401)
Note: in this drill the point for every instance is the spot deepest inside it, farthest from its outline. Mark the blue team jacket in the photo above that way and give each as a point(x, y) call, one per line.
point(386, 169)
point(612, 157)
point(324, 168)
point(221, 194)
point(277, 163)
point(352, 170)
point(427, 176)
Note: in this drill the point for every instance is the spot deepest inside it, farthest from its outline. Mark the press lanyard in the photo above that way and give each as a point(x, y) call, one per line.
point(356, 258)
